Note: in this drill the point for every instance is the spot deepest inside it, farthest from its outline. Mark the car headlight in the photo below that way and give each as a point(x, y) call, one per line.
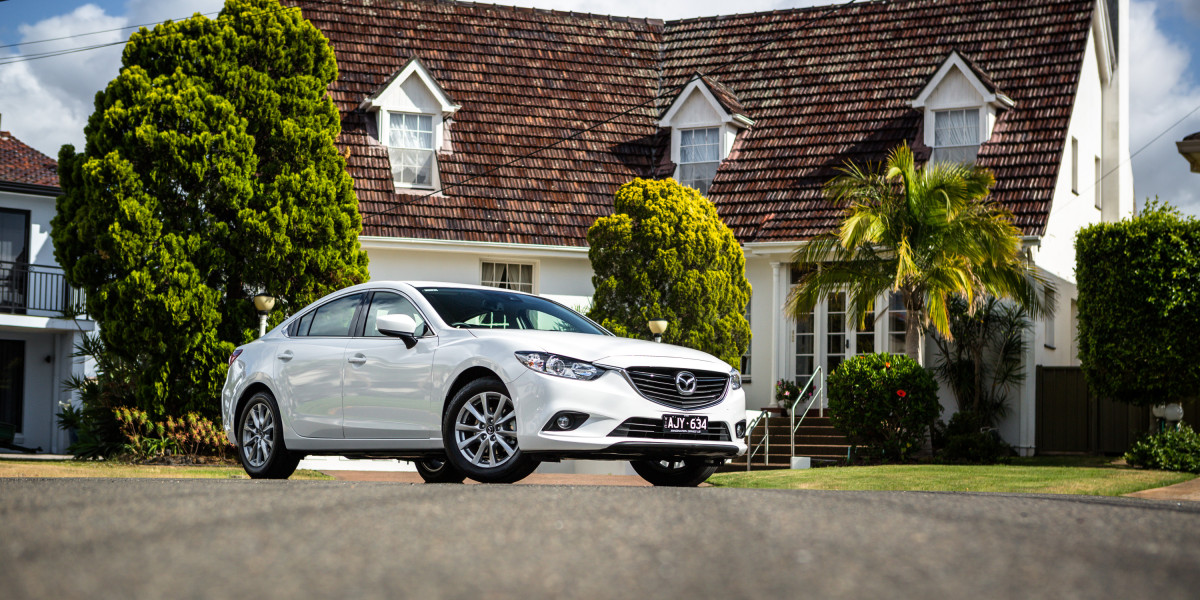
point(559, 366)
point(735, 380)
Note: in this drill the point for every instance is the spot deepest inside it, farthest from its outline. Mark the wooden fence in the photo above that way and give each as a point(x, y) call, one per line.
point(1071, 419)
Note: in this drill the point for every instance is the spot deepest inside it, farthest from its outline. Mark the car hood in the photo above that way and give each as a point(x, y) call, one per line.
point(606, 350)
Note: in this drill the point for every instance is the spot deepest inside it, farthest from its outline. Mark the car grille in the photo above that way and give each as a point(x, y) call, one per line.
point(653, 429)
point(658, 384)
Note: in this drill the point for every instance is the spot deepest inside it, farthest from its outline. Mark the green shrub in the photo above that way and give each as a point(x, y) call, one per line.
point(884, 402)
point(664, 253)
point(968, 439)
point(1171, 450)
point(1139, 288)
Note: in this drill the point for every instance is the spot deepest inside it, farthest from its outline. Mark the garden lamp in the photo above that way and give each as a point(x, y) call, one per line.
point(658, 327)
point(263, 304)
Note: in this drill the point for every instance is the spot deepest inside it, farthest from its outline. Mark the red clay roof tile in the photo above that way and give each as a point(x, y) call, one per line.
point(21, 164)
point(835, 89)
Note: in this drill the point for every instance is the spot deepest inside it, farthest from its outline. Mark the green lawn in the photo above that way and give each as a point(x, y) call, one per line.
point(1094, 476)
point(70, 468)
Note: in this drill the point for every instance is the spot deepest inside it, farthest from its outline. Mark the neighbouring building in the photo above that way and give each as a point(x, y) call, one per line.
point(484, 140)
point(37, 339)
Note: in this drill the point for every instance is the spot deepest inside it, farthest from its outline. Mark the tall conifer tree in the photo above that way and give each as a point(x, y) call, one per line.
point(209, 174)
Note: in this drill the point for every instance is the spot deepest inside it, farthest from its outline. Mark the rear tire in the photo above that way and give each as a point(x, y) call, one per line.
point(438, 470)
point(689, 472)
point(485, 450)
point(260, 440)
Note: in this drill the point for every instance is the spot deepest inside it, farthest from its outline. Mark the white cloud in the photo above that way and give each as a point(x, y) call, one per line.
point(46, 102)
point(1160, 93)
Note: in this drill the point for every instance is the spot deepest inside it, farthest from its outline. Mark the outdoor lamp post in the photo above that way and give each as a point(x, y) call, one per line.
point(263, 304)
point(658, 327)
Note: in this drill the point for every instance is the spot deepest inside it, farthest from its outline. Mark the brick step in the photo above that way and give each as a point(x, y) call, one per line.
point(801, 440)
point(785, 430)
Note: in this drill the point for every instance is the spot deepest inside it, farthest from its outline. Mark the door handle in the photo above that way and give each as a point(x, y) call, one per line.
point(285, 355)
point(357, 359)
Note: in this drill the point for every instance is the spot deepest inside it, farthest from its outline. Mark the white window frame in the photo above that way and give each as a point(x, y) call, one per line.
point(977, 138)
point(385, 134)
point(715, 130)
point(1075, 165)
point(533, 283)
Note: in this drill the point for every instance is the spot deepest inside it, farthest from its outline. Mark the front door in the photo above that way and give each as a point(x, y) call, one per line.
point(386, 389)
point(831, 333)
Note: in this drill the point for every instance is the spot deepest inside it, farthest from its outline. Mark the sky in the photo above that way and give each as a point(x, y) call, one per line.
point(46, 102)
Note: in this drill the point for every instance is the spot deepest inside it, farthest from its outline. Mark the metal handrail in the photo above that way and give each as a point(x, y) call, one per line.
point(765, 443)
point(813, 398)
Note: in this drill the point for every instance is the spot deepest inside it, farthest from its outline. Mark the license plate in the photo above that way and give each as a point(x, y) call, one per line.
point(685, 424)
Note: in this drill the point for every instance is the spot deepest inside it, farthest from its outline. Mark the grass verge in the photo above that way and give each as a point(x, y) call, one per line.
point(1090, 476)
point(71, 468)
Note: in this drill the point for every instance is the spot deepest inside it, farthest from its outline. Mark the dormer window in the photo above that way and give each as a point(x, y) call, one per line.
point(410, 149)
point(413, 124)
point(960, 105)
point(956, 135)
point(699, 156)
point(704, 119)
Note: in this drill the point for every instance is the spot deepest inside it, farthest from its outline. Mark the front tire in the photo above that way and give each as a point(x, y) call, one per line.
point(689, 472)
point(479, 430)
point(261, 447)
point(438, 470)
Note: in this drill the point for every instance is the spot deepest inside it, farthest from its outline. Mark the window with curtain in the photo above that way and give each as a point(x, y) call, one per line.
point(510, 276)
point(699, 156)
point(956, 135)
point(410, 149)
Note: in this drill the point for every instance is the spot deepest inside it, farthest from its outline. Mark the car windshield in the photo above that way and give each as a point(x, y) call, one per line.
point(500, 309)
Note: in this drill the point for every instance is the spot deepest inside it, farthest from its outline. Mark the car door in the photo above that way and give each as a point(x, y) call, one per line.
point(387, 386)
point(309, 367)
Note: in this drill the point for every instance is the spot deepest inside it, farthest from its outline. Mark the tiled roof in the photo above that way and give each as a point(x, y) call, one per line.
point(21, 164)
point(831, 90)
point(729, 100)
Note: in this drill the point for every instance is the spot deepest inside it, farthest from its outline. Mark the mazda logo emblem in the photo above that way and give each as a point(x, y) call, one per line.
point(685, 382)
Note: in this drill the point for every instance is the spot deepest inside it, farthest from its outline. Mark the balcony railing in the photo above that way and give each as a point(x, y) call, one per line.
point(37, 290)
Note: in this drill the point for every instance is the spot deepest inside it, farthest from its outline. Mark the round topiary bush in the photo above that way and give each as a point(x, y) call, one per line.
point(883, 402)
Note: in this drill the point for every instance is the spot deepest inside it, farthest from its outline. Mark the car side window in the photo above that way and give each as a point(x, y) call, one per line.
point(334, 318)
point(301, 327)
point(387, 303)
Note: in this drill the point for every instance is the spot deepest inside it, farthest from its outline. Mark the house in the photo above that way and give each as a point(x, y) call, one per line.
point(484, 140)
point(37, 340)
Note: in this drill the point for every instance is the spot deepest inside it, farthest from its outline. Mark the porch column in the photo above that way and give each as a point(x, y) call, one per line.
point(777, 337)
point(1028, 397)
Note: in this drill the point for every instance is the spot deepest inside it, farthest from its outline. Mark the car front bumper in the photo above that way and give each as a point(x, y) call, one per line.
point(609, 402)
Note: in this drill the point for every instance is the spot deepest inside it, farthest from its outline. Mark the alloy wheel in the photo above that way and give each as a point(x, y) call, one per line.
point(258, 433)
point(485, 430)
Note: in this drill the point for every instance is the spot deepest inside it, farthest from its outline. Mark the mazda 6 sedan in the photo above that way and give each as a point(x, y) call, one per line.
point(475, 382)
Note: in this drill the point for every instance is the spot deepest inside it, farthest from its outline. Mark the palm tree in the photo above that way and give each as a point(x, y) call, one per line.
point(928, 233)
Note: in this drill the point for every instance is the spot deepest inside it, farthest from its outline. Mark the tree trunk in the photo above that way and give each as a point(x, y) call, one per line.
point(912, 331)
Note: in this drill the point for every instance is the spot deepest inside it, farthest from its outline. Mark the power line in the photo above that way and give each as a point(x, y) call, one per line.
point(616, 116)
point(1083, 192)
point(67, 37)
point(152, 35)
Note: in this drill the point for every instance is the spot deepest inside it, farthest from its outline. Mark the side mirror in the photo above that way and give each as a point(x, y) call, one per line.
point(401, 326)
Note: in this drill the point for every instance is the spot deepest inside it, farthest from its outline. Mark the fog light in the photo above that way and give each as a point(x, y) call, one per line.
point(739, 430)
point(566, 420)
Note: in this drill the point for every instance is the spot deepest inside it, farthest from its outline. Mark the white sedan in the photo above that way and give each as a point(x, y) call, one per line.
point(475, 382)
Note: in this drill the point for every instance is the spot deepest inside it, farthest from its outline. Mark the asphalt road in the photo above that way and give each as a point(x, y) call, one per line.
point(75, 538)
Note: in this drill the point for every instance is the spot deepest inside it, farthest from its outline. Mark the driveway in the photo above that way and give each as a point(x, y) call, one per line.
point(325, 539)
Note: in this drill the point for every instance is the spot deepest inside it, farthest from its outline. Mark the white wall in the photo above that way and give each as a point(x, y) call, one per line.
point(566, 279)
